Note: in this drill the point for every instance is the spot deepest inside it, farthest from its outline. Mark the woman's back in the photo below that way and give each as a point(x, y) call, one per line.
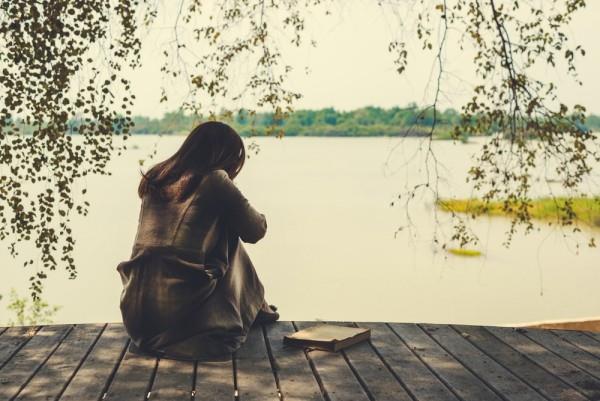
point(188, 274)
point(190, 223)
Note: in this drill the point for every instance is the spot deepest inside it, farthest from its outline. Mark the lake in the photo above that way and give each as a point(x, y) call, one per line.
point(331, 251)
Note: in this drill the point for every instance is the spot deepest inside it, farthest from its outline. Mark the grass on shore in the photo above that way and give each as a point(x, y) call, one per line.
point(464, 252)
point(586, 209)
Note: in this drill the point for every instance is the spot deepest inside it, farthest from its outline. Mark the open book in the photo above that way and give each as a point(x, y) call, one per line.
point(328, 337)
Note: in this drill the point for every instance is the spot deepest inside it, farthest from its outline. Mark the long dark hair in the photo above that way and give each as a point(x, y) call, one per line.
point(210, 146)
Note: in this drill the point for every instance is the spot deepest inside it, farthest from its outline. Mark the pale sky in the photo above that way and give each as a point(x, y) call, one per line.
point(351, 67)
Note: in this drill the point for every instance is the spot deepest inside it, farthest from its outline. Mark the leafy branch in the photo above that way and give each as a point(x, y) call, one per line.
point(65, 69)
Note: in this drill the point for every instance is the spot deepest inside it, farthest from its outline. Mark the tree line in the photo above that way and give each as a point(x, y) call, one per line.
point(365, 121)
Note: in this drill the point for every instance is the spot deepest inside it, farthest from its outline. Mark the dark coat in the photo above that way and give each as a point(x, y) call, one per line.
point(190, 290)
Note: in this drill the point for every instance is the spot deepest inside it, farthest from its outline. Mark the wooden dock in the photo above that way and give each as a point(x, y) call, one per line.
point(401, 362)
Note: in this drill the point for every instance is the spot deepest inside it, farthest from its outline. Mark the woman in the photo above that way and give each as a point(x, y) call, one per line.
point(190, 290)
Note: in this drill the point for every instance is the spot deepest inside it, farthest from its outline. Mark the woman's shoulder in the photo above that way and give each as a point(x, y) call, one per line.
point(217, 175)
point(216, 179)
point(219, 184)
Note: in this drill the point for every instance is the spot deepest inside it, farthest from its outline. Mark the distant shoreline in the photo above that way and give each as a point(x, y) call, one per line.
point(369, 121)
point(443, 135)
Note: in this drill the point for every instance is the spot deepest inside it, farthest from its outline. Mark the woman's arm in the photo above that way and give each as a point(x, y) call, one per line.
point(241, 217)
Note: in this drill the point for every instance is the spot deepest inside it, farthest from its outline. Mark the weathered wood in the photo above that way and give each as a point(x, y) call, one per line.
point(255, 378)
point(375, 375)
point(214, 381)
point(580, 340)
point(595, 336)
point(566, 350)
point(530, 372)
point(401, 362)
point(339, 382)
point(464, 383)
point(488, 370)
point(296, 379)
point(13, 339)
point(55, 374)
point(416, 376)
point(92, 378)
point(15, 374)
point(580, 380)
point(174, 380)
point(133, 378)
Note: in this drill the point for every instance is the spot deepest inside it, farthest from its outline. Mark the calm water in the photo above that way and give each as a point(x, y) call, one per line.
point(330, 251)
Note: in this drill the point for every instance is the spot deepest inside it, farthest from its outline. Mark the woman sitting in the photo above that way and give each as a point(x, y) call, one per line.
point(190, 290)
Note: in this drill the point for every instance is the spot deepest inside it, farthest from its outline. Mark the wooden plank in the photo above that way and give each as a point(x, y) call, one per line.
point(481, 365)
point(13, 339)
point(595, 336)
point(585, 383)
point(463, 382)
point(214, 381)
point(416, 376)
point(91, 379)
point(174, 380)
point(580, 340)
point(21, 367)
point(62, 365)
point(296, 379)
point(255, 378)
point(339, 382)
point(380, 382)
point(518, 365)
point(133, 378)
point(566, 350)
point(530, 372)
